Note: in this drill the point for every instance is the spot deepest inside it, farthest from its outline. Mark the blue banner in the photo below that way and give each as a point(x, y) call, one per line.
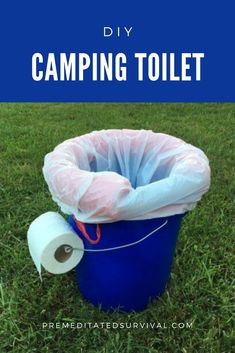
point(152, 51)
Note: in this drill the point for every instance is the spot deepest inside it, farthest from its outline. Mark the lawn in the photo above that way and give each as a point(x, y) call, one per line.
point(200, 289)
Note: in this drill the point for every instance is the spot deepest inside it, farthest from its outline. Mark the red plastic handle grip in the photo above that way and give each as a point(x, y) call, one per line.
point(81, 226)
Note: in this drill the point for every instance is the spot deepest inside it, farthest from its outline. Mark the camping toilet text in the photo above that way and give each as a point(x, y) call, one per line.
point(110, 67)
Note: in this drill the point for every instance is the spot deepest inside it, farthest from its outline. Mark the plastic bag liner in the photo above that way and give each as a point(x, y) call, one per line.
point(113, 175)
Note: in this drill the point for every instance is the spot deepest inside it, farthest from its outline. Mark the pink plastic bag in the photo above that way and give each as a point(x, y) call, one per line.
point(113, 175)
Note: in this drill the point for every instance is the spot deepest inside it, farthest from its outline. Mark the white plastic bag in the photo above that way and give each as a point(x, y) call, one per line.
point(112, 175)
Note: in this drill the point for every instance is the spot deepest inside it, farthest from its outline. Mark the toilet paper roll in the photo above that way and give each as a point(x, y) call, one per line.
point(50, 241)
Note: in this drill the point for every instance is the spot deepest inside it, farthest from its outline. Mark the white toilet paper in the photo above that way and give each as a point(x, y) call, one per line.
point(49, 237)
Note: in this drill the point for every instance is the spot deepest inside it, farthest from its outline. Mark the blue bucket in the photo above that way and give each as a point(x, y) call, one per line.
point(129, 277)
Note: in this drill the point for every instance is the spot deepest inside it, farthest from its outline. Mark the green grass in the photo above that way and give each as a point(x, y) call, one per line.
point(200, 289)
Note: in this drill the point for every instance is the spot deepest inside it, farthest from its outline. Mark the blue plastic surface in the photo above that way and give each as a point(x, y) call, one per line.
point(127, 279)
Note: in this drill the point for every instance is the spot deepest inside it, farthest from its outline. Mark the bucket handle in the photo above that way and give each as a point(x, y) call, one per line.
point(68, 249)
point(81, 226)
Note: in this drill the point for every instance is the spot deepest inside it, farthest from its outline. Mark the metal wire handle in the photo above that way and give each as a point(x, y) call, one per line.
point(68, 248)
